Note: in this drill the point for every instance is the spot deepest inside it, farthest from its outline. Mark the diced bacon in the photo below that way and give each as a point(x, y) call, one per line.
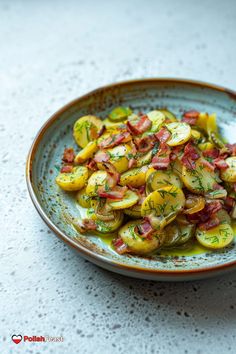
point(115, 139)
point(212, 153)
point(145, 229)
point(66, 169)
point(209, 224)
point(229, 203)
point(146, 143)
point(68, 155)
point(189, 156)
point(120, 246)
point(113, 174)
point(234, 187)
point(101, 131)
point(91, 165)
point(220, 164)
point(89, 224)
point(101, 156)
point(132, 163)
point(217, 186)
point(190, 117)
point(162, 159)
point(140, 127)
point(116, 193)
point(163, 135)
point(208, 165)
point(232, 149)
point(203, 215)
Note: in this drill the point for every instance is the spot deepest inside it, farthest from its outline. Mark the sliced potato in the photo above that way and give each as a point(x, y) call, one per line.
point(206, 146)
point(86, 129)
point(172, 235)
point(144, 159)
point(108, 226)
point(157, 118)
point(216, 238)
point(74, 180)
point(120, 113)
point(163, 205)
point(195, 134)
point(83, 199)
point(229, 175)
point(118, 158)
point(134, 177)
point(96, 180)
point(86, 152)
point(130, 198)
point(161, 178)
point(199, 180)
point(168, 115)
point(135, 242)
point(202, 120)
point(110, 126)
point(223, 216)
point(186, 233)
point(193, 204)
point(134, 211)
point(180, 133)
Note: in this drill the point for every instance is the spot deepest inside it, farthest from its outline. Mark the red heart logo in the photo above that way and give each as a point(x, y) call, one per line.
point(16, 339)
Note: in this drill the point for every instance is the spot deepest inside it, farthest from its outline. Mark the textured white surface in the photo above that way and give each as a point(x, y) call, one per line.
point(50, 53)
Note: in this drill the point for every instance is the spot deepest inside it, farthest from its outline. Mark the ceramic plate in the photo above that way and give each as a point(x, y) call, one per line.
point(53, 204)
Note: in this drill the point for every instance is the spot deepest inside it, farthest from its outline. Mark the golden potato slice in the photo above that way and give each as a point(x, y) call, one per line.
point(216, 238)
point(96, 180)
point(135, 242)
point(118, 158)
point(86, 129)
point(157, 118)
point(229, 175)
point(163, 205)
point(83, 199)
point(134, 177)
point(160, 178)
point(86, 152)
point(74, 180)
point(199, 180)
point(180, 133)
point(130, 198)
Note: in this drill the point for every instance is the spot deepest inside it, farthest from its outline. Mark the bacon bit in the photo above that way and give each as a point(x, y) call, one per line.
point(208, 165)
point(212, 222)
point(190, 117)
point(212, 153)
point(163, 135)
point(217, 186)
point(91, 165)
point(145, 229)
point(140, 127)
point(203, 215)
point(229, 203)
point(132, 163)
point(232, 149)
point(68, 155)
point(141, 192)
point(101, 131)
point(66, 169)
point(115, 139)
point(101, 156)
point(89, 224)
point(120, 246)
point(189, 156)
point(176, 151)
point(116, 193)
point(113, 174)
point(220, 164)
point(162, 159)
point(146, 143)
point(234, 187)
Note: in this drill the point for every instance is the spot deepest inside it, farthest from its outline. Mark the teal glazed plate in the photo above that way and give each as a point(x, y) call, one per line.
point(54, 205)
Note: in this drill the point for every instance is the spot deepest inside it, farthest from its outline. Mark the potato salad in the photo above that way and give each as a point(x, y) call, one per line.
point(152, 180)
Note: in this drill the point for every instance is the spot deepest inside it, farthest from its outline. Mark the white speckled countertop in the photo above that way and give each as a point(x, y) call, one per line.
point(50, 53)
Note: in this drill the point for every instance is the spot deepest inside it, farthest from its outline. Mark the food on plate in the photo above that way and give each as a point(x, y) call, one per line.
point(152, 181)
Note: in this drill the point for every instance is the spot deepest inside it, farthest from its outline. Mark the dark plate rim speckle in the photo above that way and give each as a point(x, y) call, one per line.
point(89, 254)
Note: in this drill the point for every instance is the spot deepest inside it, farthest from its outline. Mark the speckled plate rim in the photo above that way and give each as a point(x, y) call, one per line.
point(89, 254)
